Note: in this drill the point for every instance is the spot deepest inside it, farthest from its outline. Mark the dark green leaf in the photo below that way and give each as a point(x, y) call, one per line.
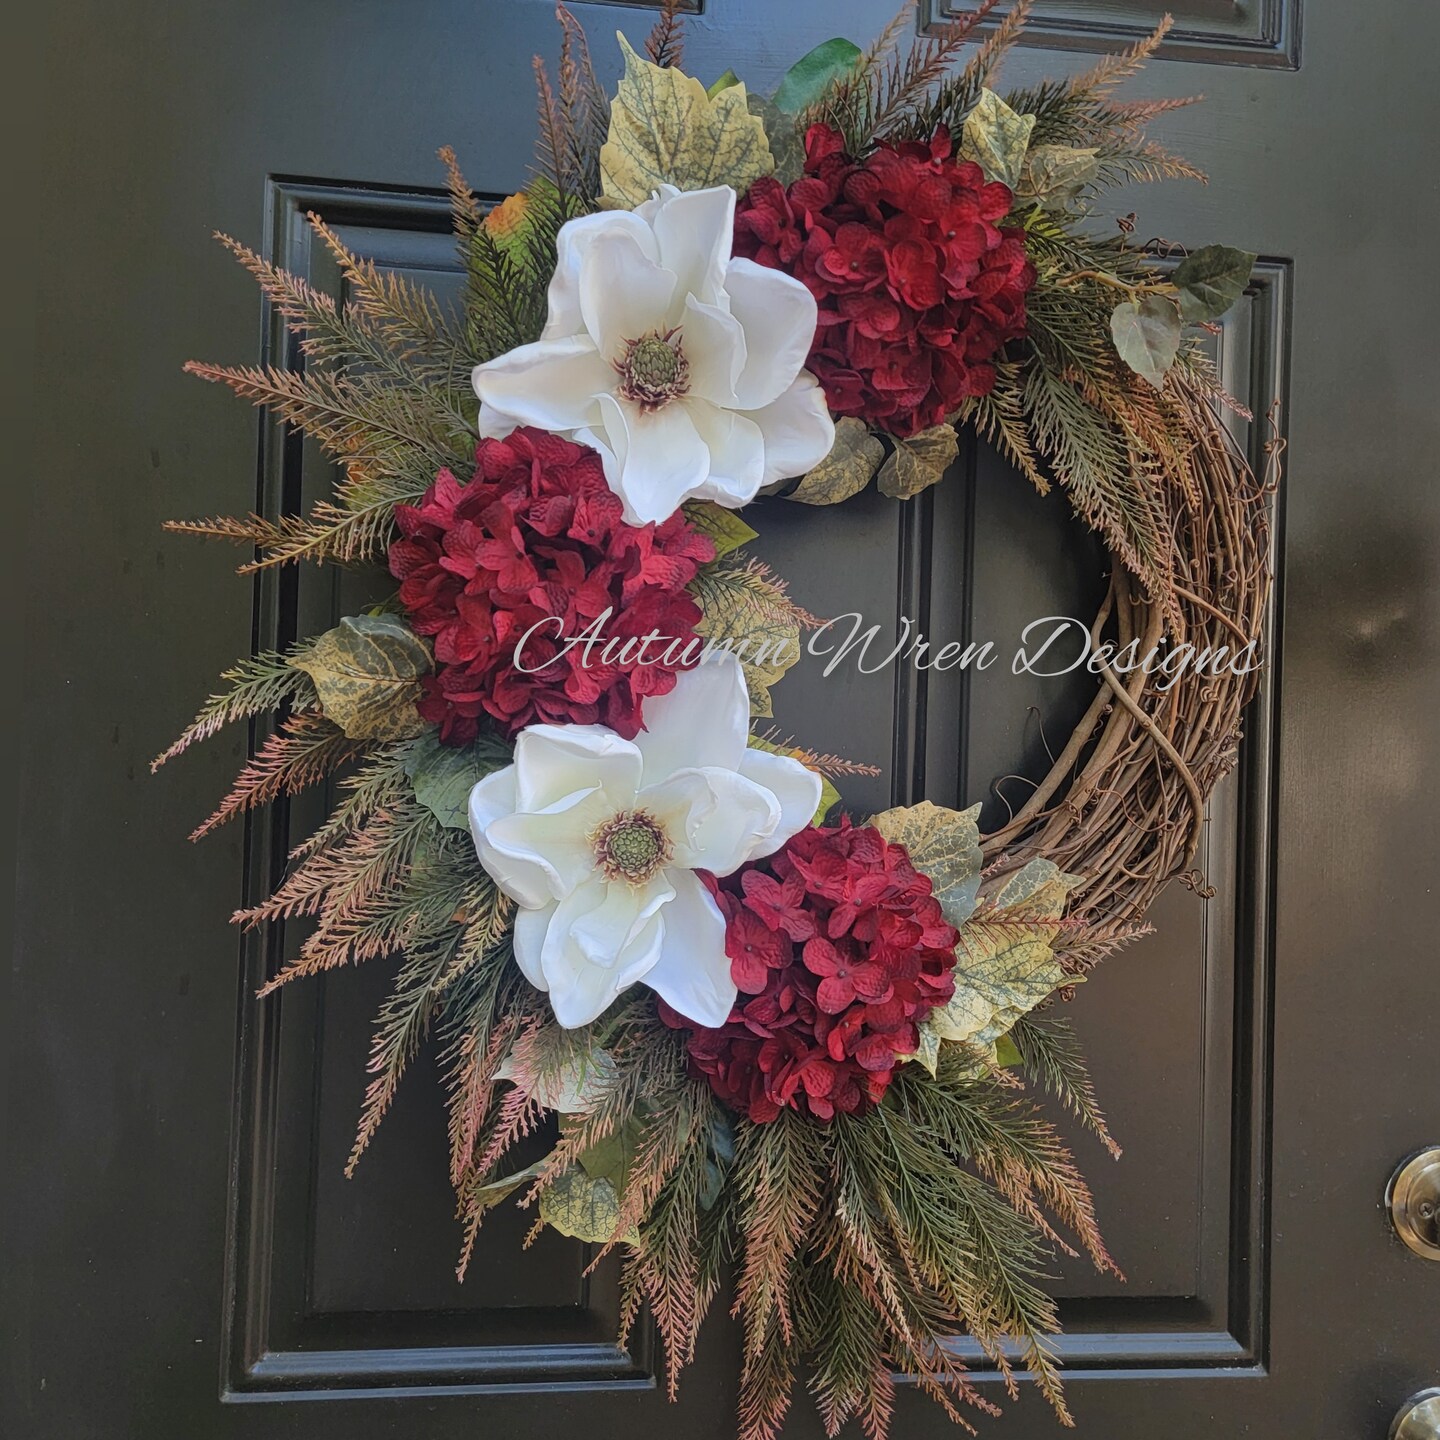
point(810, 76)
point(1211, 280)
point(1147, 335)
point(444, 775)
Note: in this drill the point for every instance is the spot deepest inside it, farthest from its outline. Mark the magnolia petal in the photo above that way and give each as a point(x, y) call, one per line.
point(798, 430)
point(539, 857)
point(527, 883)
point(571, 244)
point(624, 295)
point(552, 761)
point(551, 384)
point(692, 973)
point(600, 941)
point(660, 457)
point(779, 316)
point(531, 927)
point(797, 789)
point(737, 454)
point(716, 819)
point(714, 344)
point(695, 231)
point(704, 721)
point(555, 842)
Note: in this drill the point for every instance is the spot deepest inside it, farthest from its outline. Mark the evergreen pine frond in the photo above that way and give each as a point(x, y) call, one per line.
point(665, 45)
point(1050, 1052)
point(954, 98)
point(258, 685)
point(1107, 486)
point(403, 1022)
point(302, 752)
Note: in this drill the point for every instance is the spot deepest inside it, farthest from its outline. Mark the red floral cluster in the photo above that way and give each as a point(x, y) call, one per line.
point(917, 282)
point(839, 950)
point(536, 543)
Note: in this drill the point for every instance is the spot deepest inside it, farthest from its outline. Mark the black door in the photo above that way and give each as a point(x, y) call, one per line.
point(186, 1258)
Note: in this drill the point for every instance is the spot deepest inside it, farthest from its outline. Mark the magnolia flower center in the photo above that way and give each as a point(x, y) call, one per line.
point(631, 847)
point(653, 370)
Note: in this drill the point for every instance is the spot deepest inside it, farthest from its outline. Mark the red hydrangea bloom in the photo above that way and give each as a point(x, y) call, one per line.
point(535, 537)
point(839, 950)
point(918, 282)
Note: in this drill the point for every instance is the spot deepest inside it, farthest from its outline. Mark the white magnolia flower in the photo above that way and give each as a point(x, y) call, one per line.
point(680, 365)
point(596, 838)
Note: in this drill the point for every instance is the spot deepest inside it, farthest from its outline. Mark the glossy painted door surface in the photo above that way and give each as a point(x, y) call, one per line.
point(185, 1258)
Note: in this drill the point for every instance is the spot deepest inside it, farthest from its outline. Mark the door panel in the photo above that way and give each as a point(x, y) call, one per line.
point(1260, 1056)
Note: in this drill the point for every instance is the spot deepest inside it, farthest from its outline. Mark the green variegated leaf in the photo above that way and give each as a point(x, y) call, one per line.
point(1147, 335)
point(943, 844)
point(748, 614)
point(444, 775)
point(1054, 175)
point(787, 144)
point(724, 527)
point(996, 138)
point(587, 1209)
point(1005, 964)
point(665, 130)
point(918, 461)
point(367, 674)
point(1037, 890)
point(848, 468)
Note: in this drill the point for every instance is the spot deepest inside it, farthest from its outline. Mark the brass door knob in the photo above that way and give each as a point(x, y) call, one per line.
point(1419, 1417)
point(1413, 1199)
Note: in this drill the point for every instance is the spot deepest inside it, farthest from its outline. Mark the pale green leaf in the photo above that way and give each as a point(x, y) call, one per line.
point(665, 130)
point(918, 462)
point(750, 617)
point(575, 1204)
point(576, 1088)
point(444, 775)
point(367, 673)
point(1055, 175)
point(724, 527)
point(725, 81)
point(1005, 965)
point(1147, 335)
point(813, 74)
point(488, 1196)
point(996, 138)
point(1211, 280)
point(848, 468)
point(944, 845)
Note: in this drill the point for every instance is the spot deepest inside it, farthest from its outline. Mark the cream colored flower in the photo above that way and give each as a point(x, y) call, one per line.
point(597, 840)
point(682, 366)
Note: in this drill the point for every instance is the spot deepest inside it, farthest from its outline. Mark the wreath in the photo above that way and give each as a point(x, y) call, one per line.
point(804, 1047)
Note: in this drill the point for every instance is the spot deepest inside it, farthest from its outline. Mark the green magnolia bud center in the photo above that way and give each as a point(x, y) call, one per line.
point(653, 362)
point(653, 370)
point(631, 847)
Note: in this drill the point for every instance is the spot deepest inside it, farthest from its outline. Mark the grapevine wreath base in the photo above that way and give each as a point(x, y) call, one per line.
point(779, 1040)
